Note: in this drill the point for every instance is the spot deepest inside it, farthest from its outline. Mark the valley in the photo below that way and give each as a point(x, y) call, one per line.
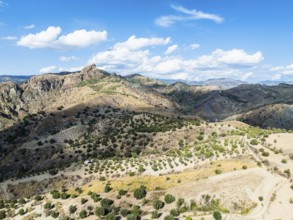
point(95, 145)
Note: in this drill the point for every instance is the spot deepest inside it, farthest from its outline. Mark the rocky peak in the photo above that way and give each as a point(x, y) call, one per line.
point(92, 71)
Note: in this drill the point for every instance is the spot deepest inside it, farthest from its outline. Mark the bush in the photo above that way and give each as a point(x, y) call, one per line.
point(174, 212)
point(48, 205)
point(244, 167)
point(217, 215)
point(188, 218)
point(155, 214)
point(158, 204)
point(180, 202)
point(169, 198)
point(83, 201)
point(106, 203)
point(254, 142)
point(53, 172)
point(169, 217)
point(218, 171)
point(124, 212)
point(72, 209)
point(54, 214)
point(122, 192)
point(132, 217)
point(21, 212)
point(110, 216)
point(22, 201)
point(38, 198)
point(107, 188)
point(101, 211)
point(140, 192)
point(55, 195)
point(83, 214)
point(2, 215)
point(64, 196)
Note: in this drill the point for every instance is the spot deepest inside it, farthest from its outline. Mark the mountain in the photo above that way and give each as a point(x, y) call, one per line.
point(274, 83)
point(222, 83)
point(16, 79)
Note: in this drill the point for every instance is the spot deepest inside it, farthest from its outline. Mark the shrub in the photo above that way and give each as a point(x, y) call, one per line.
point(180, 202)
point(244, 167)
point(158, 204)
point(21, 212)
point(107, 188)
point(38, 198)
point(132, 217)
point(124, 212)
point(155, 214)
point(140, 192)
point(284, 161)
point(48, 205)
point(22, 201)
point(122, 192)
point(54, 214)
point(260, 198)
point(53, 172)
point(64, 196)
point(72, 209)
point(2, 215)
point(55, 195)
point(106, 203)
point(188, 218)
point(110, 216)
point(83, 201)
point(217, 215)
point(254, 142)
point(169, 198)
point(169, 217)
point(218, 171)
point(174, 212)
point(83, 214)
point(101, 211)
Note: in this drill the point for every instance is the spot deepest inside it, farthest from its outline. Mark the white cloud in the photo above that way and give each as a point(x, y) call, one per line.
point(50, 38)
point(189, 15)
point(134, 43)
point(171, 49)
point(194, 46)
point(28, 27)
point(9, 38)
point(231, 57)
point(67, 59)
point(48, 69)
point(282, 71)
point(219, 63)
point(246, 76)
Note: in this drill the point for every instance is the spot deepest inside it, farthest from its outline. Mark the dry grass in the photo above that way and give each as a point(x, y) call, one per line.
point(171, 180)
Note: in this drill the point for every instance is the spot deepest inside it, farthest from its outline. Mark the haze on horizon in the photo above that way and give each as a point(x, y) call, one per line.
point(184, 40)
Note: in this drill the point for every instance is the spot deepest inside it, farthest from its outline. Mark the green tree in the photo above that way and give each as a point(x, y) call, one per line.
point(217, 215)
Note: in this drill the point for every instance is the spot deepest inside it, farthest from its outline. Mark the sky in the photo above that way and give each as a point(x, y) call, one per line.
point(249, 40)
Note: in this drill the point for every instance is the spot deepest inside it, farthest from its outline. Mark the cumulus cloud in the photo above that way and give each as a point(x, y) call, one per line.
point(55, 69)
point(134, 43)
point(28, 27)
point(48, 69)
point(171, 49)
point(9, 38)
point(50, 38)
point(282, 71)
point(219, 63)
point(194, 46)
point(67, 59)
point(246, 76)
point(188, 15)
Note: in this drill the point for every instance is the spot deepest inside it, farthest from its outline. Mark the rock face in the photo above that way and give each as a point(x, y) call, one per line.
point(49, 91)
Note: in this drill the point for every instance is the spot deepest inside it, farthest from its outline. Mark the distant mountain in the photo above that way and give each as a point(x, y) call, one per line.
point(143, 80)
point(275, 83)
point(223, 83)
point(16, 79)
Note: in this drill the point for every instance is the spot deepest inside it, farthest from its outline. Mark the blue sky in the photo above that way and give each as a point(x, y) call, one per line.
point(181, 39)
